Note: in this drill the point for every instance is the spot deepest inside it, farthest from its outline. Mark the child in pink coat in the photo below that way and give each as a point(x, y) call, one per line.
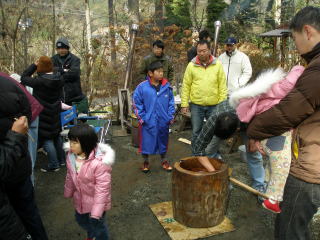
point(268, 90)
point(88, 180)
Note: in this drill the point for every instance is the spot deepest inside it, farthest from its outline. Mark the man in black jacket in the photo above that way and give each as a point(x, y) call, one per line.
point(18, 211)
point(69, 66)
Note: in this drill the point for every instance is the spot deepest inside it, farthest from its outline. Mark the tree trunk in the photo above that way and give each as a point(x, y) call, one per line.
point(158, 14)
point(133, 6)
point(112, 33)
point(287, 11)
point(88, 28)
point(277, 14)
point(53, 27)
point(13, 59)
point(14, 37)
point(89, 55)
point(197, 22)
point(25, 38)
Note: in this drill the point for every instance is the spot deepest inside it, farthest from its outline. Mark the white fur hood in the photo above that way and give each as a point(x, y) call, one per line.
point(261, 85)
point(108, 154)
point(103, 151)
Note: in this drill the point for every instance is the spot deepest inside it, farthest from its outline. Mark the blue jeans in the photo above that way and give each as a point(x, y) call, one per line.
point(301, 201)
point(54, 149)
point(33, 143)
point(198, 114)
point(94, 227)
point(255, 165)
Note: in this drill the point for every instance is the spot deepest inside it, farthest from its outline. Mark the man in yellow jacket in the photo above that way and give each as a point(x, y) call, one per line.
point(204, 86)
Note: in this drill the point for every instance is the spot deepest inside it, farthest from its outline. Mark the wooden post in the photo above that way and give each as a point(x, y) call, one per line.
point(283, 49)
point(125, 104)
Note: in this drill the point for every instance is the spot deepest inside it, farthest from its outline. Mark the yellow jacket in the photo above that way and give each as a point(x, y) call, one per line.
point(204, 86)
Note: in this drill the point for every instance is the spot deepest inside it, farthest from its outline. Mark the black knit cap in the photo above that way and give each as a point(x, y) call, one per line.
point(62, 43)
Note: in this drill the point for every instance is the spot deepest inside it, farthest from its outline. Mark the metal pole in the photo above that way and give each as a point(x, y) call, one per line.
point(217, 25)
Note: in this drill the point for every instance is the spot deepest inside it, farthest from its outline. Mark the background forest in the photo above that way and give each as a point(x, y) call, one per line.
point(98, 31)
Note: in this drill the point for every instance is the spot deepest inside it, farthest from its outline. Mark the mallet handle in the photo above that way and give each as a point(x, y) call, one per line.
point(248, 188)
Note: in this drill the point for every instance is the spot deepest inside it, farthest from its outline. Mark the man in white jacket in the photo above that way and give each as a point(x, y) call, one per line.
point(236, 65)
point(238, 70)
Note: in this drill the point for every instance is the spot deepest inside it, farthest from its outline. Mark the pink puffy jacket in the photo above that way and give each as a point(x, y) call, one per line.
point(268, 89)
point(91, 187)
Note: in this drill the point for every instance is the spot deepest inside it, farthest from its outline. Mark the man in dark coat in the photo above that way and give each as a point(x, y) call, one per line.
point(18, 211)
point(157, 55)
point(69, 66)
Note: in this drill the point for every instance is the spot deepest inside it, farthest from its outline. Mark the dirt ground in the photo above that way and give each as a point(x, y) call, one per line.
point(133, 191)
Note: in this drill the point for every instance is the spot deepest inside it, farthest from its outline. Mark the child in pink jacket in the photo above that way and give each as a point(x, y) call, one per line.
point(268, 90)
point(88, 180)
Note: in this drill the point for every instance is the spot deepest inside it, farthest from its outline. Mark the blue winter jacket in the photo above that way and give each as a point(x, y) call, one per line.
point(154, 111)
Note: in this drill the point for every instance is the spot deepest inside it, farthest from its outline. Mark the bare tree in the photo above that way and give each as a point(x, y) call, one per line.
point(112, 33)
point(197, 21)
point(12, 32)
point(89, 55)
point(88, 27)
point(158, 14)
point(53, 27)
point(133, 6)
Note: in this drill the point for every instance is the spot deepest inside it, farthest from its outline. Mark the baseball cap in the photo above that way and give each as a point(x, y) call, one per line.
point(231, 40)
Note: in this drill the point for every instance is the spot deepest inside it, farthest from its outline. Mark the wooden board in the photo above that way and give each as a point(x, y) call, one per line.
point(176, 231)
point(184, 140)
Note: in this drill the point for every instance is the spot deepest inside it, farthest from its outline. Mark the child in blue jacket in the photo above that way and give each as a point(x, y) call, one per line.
point(153, 104)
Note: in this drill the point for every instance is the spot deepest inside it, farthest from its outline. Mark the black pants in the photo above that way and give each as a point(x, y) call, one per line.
point(21, 197)
point(301, 201)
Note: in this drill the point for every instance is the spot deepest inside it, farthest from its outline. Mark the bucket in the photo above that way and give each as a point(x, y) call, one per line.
point(134, 130)
point(199, 198)
point(243, 153)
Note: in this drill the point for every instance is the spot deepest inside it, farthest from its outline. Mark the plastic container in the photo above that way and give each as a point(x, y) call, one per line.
point(243, 153)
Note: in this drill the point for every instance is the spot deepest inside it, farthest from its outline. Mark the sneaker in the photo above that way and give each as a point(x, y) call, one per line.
point(271, 205)
point(41, 150)
point(166, 166)
point(261, 189)
point(47, 169)
point(145, 167)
